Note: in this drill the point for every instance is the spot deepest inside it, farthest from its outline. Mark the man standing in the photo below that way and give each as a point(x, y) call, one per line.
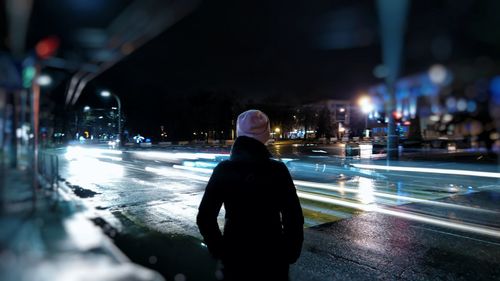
point(263, 231)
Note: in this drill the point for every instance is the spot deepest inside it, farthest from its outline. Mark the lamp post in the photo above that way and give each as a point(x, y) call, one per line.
point(365, 103)
point(107, 94)
point(277, 132)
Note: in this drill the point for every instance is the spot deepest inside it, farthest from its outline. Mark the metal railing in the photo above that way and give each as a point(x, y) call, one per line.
point(48, 170)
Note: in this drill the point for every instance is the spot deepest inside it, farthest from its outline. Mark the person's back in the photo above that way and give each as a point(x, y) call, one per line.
point(263, 232)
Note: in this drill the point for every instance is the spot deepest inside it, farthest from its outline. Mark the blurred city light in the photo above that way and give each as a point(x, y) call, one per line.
point(495, 89)
point(365, 103)
point(47, 47)
point(105, 93)
point(438, 74)
point(44, 80)
point(29, 73)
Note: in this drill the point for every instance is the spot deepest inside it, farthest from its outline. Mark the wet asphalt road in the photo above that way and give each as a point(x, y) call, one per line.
point(150, 202)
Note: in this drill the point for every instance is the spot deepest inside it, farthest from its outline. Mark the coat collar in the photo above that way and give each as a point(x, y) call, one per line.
point(249, 149)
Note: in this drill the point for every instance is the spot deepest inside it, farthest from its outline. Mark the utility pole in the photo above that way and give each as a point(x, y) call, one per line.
point(106, 94)
point(392, 16)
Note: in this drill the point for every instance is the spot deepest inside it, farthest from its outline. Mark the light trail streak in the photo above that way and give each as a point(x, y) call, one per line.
point(157, 155)
point(87, 168)
point(441, 222)
point(194, 169)
point(84, 153)
point(330, 200)
point(331, 187)
point(175, 173)
point(429, 170)
point(78, 153)
point(420, 218)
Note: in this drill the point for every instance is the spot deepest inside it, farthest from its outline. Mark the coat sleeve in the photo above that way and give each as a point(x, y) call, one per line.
point(208, 212)
point(292, 219)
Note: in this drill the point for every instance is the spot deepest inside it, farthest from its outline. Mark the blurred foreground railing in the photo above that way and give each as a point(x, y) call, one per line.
point(48, 170)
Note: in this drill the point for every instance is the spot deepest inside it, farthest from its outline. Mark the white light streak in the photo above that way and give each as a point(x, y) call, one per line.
point(176, 155)
point(429, 170)
point(342, 189)
point(415, 217)
point(174, 173)
point(78, 153)
point(441, 222)
point(88, 168)
point(194, 169)
point(340, 202)
point(366, 194)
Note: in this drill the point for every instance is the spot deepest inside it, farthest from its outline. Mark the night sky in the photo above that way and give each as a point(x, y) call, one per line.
point(300, 51)
point(253, 47)
point(250, 49)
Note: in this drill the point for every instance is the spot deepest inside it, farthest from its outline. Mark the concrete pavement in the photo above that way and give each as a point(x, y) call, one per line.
point(49, 238)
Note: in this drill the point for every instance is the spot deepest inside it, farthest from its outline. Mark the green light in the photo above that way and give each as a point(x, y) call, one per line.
point(28, 75)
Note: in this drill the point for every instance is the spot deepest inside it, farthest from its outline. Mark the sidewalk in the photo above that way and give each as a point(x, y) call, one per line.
point(54, 241)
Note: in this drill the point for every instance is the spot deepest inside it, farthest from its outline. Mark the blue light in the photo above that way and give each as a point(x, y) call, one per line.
point(471, 106)
point(495, 89)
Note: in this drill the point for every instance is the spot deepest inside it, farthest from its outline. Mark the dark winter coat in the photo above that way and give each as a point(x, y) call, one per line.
point(263, 220)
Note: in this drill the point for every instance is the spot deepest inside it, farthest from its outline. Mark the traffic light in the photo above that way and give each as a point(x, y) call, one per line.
point(47, 47)
point(28, 75)
point(397, 116)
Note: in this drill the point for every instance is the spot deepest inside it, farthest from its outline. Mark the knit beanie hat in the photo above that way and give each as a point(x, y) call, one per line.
point(255, 124)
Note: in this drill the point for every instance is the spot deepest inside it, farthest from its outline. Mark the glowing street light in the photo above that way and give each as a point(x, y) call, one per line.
point(276, 132)
point(106, 94)
point(365, 103)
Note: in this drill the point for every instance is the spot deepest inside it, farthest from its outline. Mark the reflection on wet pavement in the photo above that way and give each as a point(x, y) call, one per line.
point(165, 194)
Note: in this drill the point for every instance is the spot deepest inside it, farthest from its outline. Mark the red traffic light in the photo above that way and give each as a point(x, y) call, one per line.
point(47, 47)
point(397, 115)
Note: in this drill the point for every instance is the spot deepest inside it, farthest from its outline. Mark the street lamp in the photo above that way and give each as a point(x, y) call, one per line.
point(106, 94)
point(365, 103)
point(277, 131)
